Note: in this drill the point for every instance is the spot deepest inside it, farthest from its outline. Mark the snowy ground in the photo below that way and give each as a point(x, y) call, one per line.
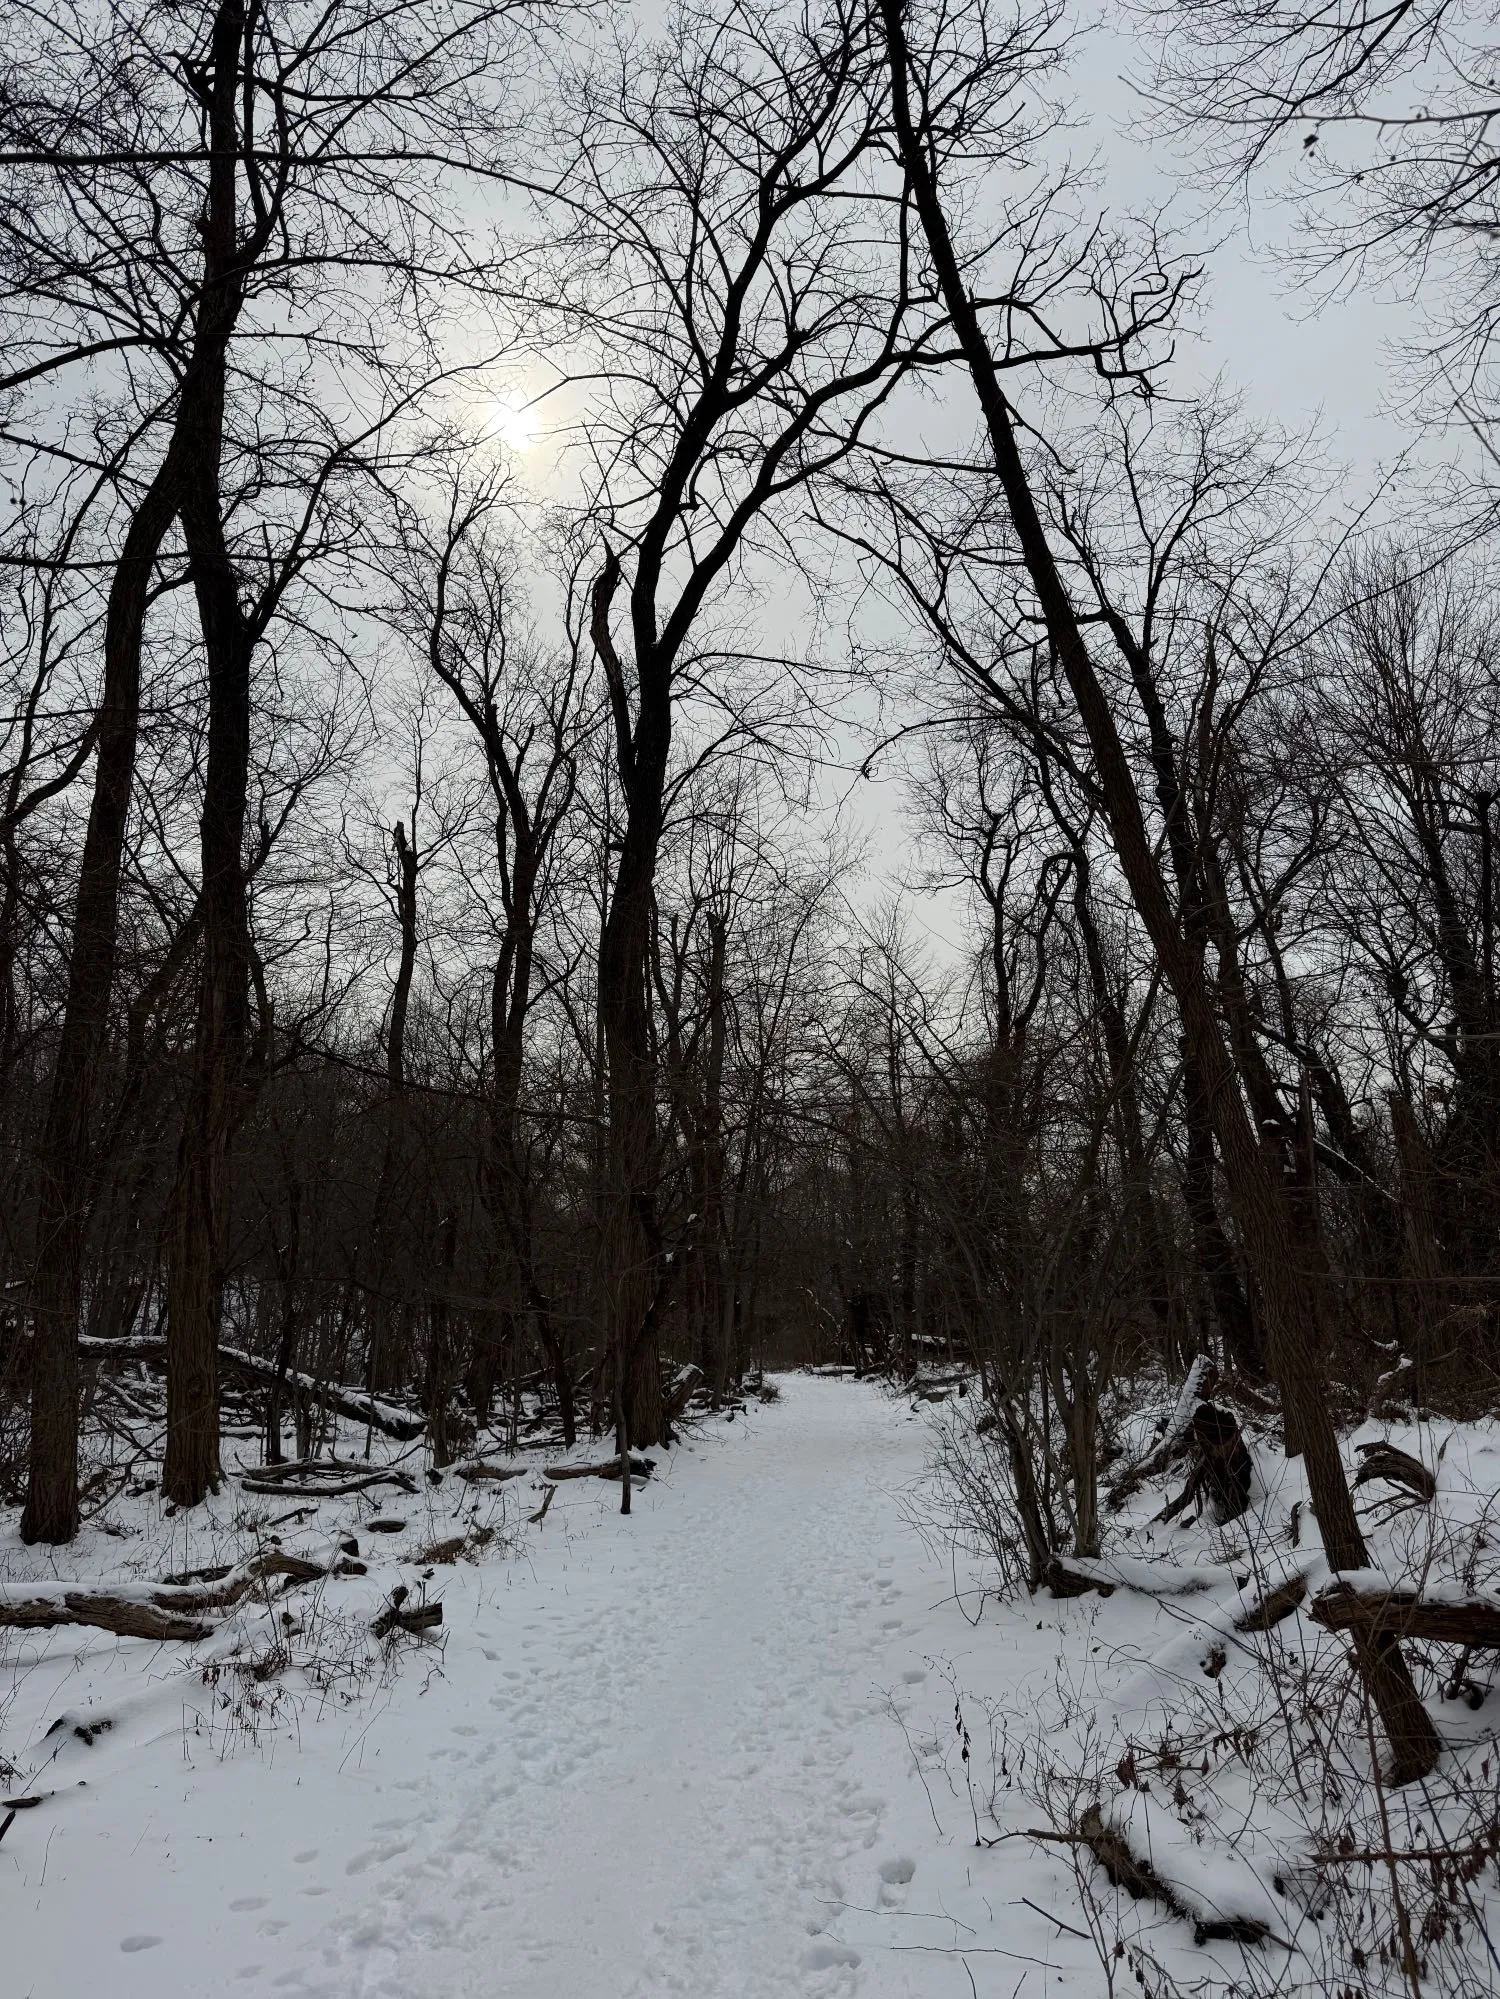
point(654, 1756)
point(713, 1750)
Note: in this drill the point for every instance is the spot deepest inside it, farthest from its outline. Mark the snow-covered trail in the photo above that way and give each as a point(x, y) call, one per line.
point(651, 1764)
point(653, 1795)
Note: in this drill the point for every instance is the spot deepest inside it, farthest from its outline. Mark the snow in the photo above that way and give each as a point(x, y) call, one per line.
point(653, 1756)
point(716, 1749)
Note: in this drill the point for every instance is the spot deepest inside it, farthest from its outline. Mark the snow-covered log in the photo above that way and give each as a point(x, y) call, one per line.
point(1273, 1605)
point(322, 1488)
point(396, 1617)
point(155, 1610)
point(1367, 1602)
point(1141, 1878)
point(1071, 1575)
point(609, 1468)
point(126, 1616)
point(401, 1424)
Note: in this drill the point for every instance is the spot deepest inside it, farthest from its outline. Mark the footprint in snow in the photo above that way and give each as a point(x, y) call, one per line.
point(914, 1676)
point(824, 1956)
point(139, 1943)
point(248, 1902)
point(308, 1853)
point(895, 1877)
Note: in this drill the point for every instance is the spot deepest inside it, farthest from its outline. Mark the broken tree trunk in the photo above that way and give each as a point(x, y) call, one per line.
point(1222, 1468)
point(1202, 1379)
point(1384, 1461)
point(396, 1617)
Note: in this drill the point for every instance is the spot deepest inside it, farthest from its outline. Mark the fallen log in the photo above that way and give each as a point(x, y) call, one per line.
point(639, 1468)
point(1377, 1607)
point(325, 1489)
point(1072, 1575)
point(1134, 1873)
point(156, 1610)
point(320, 1468)
point(351, 1402)
point(1273, 1606)
point(477, 1472)
point(126, 1617)
point(396, 1617)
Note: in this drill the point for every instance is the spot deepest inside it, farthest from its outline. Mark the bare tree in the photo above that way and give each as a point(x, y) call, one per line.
point(1289, 1300)
point(188, 194)
point(754, 329)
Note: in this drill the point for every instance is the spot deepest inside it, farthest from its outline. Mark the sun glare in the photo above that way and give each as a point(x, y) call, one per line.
point(514, 422)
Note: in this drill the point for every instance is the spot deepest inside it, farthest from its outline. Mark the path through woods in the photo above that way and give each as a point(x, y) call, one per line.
point(660, 1757)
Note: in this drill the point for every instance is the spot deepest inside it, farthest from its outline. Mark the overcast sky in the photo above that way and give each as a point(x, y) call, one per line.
point(1299, 359)
point(1298, 356)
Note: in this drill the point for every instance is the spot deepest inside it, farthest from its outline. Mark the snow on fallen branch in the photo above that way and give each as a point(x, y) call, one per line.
point(1367, 1602)
point(1071, 1575)
point(610, 1468)
point(1274, 1604)
point(1201, 1379)
point(351, 1402)
point(158, 1610)
point(323, 1478)
point(1142, 1880)
point(396, 1617)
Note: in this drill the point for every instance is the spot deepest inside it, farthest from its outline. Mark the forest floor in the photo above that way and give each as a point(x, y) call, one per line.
point(716, 1749)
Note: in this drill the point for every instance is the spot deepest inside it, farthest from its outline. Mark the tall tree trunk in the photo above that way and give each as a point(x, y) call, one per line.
point(1290, 1305)
point(633, 1238)
point(286, 1256)
point(717, 1359)
point(198, 1222)
point(442, 1368)
point(51, 1510)
point(197, 1230)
